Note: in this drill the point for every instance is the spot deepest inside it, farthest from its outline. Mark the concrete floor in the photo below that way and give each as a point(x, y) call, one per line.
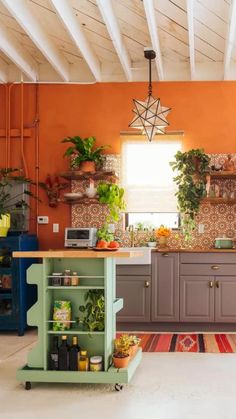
point(165, 386)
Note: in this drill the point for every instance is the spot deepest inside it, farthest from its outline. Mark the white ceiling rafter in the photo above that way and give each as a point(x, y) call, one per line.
point(3, 72)
point(32, 26)
point(17, 54)
point(190, 17)
point(109, 17)
point(75, 30)
point(230, 39)
point(153, 30)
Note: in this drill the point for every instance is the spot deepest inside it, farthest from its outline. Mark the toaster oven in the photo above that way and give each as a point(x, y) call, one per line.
point(80, 237)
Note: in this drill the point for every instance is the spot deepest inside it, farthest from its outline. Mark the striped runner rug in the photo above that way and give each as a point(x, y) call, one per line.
point(206, 343)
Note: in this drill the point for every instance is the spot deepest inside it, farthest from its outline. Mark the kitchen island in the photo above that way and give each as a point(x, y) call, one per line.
point(96, 271)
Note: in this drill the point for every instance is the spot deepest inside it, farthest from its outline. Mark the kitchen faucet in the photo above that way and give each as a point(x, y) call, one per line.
point(131, 234)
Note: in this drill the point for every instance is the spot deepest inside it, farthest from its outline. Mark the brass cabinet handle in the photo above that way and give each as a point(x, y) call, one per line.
point(147, 284)
point(211, 284)
point(165, 255)
point(215, 267)
point(217, 284)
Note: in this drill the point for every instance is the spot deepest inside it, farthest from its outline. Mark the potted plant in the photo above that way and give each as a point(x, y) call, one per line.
point(93, 312)
point(152, 241)
point(192, 167)
point(134, 343)
point(83, 154)
point(9, 203)
point(162, 234)
point(112, 195)
point(121, 356)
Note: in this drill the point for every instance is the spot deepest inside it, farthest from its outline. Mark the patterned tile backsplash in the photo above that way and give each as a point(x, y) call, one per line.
point(219, 219)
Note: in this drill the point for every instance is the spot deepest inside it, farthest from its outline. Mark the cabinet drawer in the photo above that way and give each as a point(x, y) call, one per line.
point(133, 270)
point(212, 269)
point(208, 257)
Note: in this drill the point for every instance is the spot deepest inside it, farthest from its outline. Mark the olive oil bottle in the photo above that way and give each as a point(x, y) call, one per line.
point(73, 354)
point(63, 354)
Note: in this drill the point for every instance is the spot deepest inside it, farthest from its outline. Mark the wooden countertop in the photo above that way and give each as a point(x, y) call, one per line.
point(68, 253)
point(194, 250)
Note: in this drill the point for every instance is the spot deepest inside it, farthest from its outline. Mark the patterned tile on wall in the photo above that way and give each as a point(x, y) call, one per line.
point(218, 219)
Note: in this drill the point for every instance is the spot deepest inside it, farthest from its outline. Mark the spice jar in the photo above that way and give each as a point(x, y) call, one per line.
point(83, 361)
point(56, 280)
point(74, 279)
point(67, 278)
point(95, 363)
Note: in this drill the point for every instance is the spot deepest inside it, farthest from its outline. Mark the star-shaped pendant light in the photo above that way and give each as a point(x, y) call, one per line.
point(150, 115)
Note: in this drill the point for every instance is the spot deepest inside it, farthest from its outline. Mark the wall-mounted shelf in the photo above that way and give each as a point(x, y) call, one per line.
point(79, 175)
point(84, 201)
point(223, 175)
point(219, 200)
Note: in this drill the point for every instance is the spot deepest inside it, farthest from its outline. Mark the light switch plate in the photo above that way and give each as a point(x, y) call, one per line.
point(201, 228)
point(55, 228)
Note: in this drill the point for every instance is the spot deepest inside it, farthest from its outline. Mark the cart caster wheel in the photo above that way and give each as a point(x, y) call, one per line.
point(118, 387)
point(28, 385)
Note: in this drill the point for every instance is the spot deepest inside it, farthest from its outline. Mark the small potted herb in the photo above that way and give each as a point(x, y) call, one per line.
point(121, 356)
point(152, 241)
point(134, 343)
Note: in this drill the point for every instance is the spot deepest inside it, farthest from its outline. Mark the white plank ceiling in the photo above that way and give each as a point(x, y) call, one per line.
point(88, 41)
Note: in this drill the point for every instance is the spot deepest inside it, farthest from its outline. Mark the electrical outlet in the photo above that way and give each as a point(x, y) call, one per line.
point(201, 228)
point(55, 228)
point(42, 219)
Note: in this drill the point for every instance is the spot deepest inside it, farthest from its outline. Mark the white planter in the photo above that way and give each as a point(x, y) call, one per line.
point(152, 244)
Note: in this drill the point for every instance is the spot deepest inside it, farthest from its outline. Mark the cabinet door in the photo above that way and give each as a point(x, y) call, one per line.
point(225, 299)
point(196, 299)
point(135, 290)
point(165, 287)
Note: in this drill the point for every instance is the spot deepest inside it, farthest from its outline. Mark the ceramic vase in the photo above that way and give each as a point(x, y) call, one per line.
point(162, 241)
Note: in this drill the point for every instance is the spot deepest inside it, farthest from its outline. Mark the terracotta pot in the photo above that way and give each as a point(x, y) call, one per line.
point(121, 362)
point(87, 166)
point(133, 350)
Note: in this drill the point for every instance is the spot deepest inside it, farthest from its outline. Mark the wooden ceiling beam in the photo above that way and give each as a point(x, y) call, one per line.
point(17, 54)
point(190, 17)
point(75, 30)
point(230, 39)
point(32, 26)
point(153, 31)
point(110, 19)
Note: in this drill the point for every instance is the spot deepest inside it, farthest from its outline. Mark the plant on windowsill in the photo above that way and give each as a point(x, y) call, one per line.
point(83, 155)
point(152, 241)
point(11, 204)
point(192, 167)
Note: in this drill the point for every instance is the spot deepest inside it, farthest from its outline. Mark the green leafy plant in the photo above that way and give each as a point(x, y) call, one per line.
point(192, 167)
point(103, 233)
point(134, 340)
point(122, 346)
point(83, 150)
point(152, 239)
point(9, 177)
point(93, 312)
point(112, 195)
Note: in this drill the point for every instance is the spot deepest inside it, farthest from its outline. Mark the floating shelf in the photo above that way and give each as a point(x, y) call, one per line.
point(219, 201)
point(223, 175)
point(79, 175)
point(84, 201)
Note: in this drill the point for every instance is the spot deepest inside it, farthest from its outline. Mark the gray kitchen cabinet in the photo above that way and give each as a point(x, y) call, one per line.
point(133, 284)
point(196, 299)
point(208, 287)
point(165, 287)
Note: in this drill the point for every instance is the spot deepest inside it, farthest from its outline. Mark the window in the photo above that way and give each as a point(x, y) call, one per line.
point(148, 178)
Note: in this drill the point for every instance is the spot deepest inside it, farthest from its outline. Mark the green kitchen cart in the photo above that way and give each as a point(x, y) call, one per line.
point(96, 271)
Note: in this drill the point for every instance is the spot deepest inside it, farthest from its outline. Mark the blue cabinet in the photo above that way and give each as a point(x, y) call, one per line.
point(16, 296)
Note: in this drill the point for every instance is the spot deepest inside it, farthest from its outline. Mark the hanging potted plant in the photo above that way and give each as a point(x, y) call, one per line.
point(192, 167)
point(112, 195)
point(82, 153)
point(10, 203)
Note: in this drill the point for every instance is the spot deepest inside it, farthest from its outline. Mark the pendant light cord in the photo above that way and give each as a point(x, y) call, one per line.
point(150, 78)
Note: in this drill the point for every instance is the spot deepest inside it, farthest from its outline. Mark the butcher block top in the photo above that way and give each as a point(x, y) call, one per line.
point(64, 253)
point(193, 250)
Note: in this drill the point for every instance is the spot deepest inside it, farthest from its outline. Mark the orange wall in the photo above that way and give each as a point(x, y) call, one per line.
point(205, 111)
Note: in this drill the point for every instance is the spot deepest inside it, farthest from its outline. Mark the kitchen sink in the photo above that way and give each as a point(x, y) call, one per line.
point(144, 259)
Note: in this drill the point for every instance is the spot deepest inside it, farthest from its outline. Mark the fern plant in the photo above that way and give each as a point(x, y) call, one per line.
point(83, 150)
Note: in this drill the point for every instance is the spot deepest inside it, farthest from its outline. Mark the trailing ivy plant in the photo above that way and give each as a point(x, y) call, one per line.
point(192, 167)
point(112, 195)
point(93, 312)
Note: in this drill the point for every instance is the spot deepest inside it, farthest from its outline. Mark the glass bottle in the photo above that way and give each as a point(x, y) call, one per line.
point(53, 356)
point(73, 354)
point(63, 355)
point(74, 279)
point(67, 278)
point(83, 361)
